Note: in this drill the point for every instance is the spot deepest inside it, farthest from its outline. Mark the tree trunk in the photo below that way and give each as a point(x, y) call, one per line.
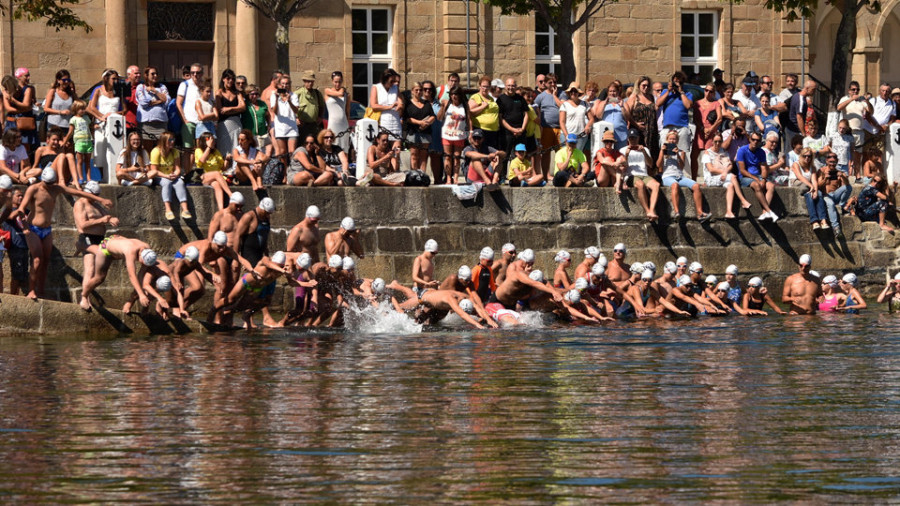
point(844, 43)
point(282, 46)
point(566, 52)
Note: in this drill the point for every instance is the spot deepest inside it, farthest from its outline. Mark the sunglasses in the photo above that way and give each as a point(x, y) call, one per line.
point(328, 137)
point(618, 250)
point(805, 156)
point(66, 80)
point(198, 73)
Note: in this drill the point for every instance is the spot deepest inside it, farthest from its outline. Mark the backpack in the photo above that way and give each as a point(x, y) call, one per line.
point(417, 178)
point(273, 173)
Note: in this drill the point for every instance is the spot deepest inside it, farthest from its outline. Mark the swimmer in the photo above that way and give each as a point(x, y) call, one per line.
point(652, 302)
point(695, 271)
point(41, 199)
point(507, 256)
point(576, 310)
point(212, 254)
point(462, 282)
point(253, 232)
point(304, 236)
point(757, 297)
point(166, 298)
point(91, 220)
point(721, 291)
point(253, 292)
point(304, 291)
point(735, 294)
point(344, 241)
point(115, 247)
point(518, 286)
point(682, 264)
point(891, 294)
point(561, 279)
point(591, 254)
point(227, 219)
point(441, 302)
point(682, 297)
point(524, 262)
point(610, 296)
point(186, 269)
point(855, 301)
point(801, 289)
point(148, 275)
point(483, 274)
point(423, 269)
point(618, 271)
point(329, 298)
point(665, 283)
point(712, 295)
point(832, 298)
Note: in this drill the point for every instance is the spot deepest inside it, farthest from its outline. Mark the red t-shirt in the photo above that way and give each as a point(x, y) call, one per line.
point(605, 153)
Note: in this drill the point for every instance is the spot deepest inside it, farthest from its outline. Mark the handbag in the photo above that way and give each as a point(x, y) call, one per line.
point(372, 114)
point(25, 123)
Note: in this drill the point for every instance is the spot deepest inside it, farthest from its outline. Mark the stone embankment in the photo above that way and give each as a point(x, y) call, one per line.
point(396, 223)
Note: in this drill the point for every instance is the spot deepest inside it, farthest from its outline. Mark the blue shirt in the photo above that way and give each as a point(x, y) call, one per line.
point(549, 110)
point(675, 114)
point(752, 159)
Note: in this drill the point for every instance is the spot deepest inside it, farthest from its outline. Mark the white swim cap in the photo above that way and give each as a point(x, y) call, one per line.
point(348, 264)
point(681, 261)
point(304, 261)
point(711, 280)
point(897, 277)
point(508, 247)
point(650, 266)
point(464, 273)
point(805, 260)
point(592, 251)
point(574, 296)
point(670, 268)
point(696, 267)
point(598, 270)
point(335, 262)
point(486, 253)
point(191, 254)
point(527, 256)
point(684, 280)
point(637, 268)
point(537, 275)
point(220, 238)
point(732, 269)
point(163, 284)
point(148, 257)
point(236, 198)
point(724, 286)
point(48, 175)
point(562, 256)
point(348, 224)
point(5, 182)
point(830, 280)
point(467, 306)
point(580, 284)
point(267, 205)
point(755, 281)
point(647, 275)
point(621, 247)
point(601, 260)
point(431, 246)
point(278, 258)
point(850, 279)
point(312, 212)
point(814, 273)
point(378, 285)
point(92, 187)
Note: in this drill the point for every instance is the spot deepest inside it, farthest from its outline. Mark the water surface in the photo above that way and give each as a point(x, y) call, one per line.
point(727, 409)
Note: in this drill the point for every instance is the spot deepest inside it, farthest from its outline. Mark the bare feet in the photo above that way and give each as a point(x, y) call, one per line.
point(729, 216)
point(746, 205)
point(126, 308)
point(85, 304)
point(652, 217)
point(886, 228)
point(272, 324)
point(31, 295)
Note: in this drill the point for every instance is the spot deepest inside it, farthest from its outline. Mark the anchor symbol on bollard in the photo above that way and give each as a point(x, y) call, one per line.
point(117, 130)
point(897, 140)
point(370, 133)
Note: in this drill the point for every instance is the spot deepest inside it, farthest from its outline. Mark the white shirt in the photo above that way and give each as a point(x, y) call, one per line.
point(637, 163)
point(751, 102)
point(884, 109)
point(191, 94)
point(12, 158)
point(774, 99)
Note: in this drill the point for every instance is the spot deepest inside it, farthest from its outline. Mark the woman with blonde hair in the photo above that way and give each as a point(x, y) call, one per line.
point(164, 160)
point(213, 164)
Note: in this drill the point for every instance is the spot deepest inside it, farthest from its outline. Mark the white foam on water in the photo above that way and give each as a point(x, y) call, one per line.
point(379, 320)
point(533, 319)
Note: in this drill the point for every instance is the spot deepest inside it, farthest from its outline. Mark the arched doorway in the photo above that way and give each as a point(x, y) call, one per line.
point(890, 44)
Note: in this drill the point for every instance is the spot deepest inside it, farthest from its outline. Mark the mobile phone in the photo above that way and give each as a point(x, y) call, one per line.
point(832, 176)
point(670, 148)
point(281, 90)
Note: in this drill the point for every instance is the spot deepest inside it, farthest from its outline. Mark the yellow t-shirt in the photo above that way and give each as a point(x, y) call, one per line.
point(517, 166)
point(215, 162)
point(533, 129)
point(165, 165)
point(489, 118)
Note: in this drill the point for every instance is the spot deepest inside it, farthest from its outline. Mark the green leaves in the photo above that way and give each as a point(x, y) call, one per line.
point(55, 13)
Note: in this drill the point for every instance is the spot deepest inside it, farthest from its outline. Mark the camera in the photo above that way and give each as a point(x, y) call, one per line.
point(281, 91)
point(832, 176)
point(670, 148)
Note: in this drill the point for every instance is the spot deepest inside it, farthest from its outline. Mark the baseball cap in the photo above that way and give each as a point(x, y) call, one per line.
point(634, 133)
point(520, 147)
point(478, 133)
point(571, 138)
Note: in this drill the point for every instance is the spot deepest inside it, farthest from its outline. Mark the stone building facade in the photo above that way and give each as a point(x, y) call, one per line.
point(428, 38)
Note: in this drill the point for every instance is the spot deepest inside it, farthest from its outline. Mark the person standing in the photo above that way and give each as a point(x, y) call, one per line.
point(675, 105)
point(256, 118)
point(311, 106)
point(384, 98)
point(58, 103)
point(513, 117)
point(883, 113)
point(640, 112)
point(185, 100)
point(285, 109)
point(152, 97)
point(337, 102)
point(132, 79)
point(19, 102)
point(230, 105)
point(486, 113)
point(708, 118)
point(547, 105)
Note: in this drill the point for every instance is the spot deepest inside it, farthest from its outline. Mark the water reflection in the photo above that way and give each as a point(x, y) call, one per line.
point(734, 410)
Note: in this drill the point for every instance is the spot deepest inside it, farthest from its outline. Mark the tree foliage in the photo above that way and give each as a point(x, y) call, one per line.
point(281, 12)
point(55, 13)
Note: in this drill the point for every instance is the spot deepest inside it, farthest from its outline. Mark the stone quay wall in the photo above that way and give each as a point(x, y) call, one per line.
point(396, 223)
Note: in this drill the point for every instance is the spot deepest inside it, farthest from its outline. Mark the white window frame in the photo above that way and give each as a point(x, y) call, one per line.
point(552, 60)
point(369, 59)
point(696, 62)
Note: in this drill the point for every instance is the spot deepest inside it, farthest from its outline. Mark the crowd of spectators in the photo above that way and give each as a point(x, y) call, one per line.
point(658, 134)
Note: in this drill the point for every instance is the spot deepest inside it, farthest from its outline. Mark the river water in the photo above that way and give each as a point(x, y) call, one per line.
point(727, 409)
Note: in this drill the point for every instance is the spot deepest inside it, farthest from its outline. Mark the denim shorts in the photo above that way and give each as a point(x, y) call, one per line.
point(682, 181)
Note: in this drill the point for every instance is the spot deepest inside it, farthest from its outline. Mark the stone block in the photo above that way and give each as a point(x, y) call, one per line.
point(382, 206)
point(536, 237)
point(476, 238)
point(449, 237)
point(137, 206)
point(633, 235)
point(535, 205)
point(445, 265)
point(395, 239)
point(576, 237)
point(758, 259)
point(376, 265)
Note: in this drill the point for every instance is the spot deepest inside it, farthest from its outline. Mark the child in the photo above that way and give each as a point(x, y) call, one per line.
point(80, 134)
point(520, 171)
point(842, 144)
point(793, 156)
point(872, 202)
point(206, 112)
point(873, 166)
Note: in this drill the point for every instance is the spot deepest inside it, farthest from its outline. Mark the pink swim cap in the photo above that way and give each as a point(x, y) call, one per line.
point(21, 71)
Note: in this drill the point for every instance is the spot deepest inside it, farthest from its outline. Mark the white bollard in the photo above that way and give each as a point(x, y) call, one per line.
point(892, 153)
point(109, 141)
point(597, 137)
point(366, 133)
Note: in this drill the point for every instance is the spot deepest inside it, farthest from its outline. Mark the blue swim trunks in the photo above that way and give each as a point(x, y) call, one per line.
point(41, 232)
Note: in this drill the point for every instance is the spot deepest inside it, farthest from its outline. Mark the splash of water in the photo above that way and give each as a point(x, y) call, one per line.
point(379, 320)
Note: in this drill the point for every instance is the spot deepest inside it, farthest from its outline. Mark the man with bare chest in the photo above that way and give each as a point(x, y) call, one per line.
point(304, 237)
point(344, 241)
point(802, 289)
point(227, 219)
point(91, 220)
point(423, 269)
